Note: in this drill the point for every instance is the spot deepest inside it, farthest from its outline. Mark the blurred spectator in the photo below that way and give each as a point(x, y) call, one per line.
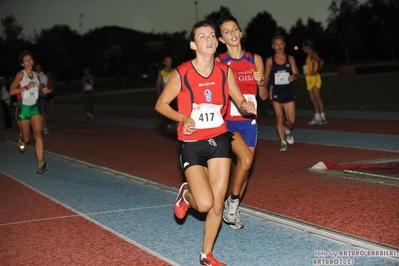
point(6, 103)
point(51, 96)
point(162, 78)
point(42, 96)
point(88, 92)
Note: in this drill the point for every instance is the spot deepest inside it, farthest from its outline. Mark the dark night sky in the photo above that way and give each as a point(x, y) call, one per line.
point(153, 15)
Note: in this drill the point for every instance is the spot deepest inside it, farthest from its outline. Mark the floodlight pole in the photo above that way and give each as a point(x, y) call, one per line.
point(80, 22)
point(196, 10)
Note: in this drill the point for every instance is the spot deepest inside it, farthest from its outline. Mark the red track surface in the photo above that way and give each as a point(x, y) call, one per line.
point(38, 231)
point(280, 182)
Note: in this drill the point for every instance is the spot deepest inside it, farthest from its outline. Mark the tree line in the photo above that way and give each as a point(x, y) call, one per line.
point(355, 33)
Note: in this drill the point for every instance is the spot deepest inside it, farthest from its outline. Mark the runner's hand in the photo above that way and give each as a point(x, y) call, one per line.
point(248, 107)
point(188, 126)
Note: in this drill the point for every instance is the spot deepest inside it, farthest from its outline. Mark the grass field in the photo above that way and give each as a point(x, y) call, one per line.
point(372, 92)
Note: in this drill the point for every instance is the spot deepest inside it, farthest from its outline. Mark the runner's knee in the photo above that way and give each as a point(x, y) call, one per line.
point(204, 204)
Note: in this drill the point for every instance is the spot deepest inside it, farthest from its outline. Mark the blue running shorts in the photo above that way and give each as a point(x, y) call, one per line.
point(247, 128)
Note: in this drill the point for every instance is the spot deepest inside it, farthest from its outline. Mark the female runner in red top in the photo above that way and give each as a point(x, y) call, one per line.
point(202, 87)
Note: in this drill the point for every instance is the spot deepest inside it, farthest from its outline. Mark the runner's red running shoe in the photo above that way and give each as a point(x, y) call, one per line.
point(209, 260)
point(181, 205)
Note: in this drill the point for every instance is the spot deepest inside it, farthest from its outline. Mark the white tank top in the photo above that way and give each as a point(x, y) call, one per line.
point(29, 97)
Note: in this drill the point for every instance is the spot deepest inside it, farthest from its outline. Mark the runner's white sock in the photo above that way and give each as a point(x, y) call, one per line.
point(184, 198)
point(323, 116)
point(317, 116)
